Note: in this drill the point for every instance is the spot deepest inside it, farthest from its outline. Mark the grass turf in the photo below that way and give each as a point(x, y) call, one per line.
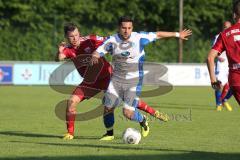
point(29, 128)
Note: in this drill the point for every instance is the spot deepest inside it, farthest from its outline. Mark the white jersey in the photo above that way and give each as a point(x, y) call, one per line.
point(221, 67)
point(128, 56)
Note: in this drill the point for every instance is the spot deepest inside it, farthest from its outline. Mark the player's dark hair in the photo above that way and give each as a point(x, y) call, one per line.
point(124, 19)
point(236, 7)
point(69, 27)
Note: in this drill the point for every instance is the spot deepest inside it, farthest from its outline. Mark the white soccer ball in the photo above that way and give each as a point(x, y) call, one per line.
point(131, 136)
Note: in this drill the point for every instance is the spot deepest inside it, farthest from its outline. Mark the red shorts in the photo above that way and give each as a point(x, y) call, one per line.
point(86, 90)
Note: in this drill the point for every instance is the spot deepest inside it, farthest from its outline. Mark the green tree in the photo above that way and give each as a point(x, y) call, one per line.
point(31, 29)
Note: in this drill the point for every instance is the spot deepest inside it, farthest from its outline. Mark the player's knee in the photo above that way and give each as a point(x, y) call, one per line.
point(108, 110)
point(73, 101)
point(128, 113)
point(71, 108)
point(72, 104)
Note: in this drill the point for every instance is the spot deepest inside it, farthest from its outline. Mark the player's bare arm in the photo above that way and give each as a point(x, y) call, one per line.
point(210, 63)
point(182, 35)
point(60, 54)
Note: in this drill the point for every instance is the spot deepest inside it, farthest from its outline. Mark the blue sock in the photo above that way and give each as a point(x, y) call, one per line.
point(138, 117)
point(108, 120)
point(218, 97)
point(229, 94)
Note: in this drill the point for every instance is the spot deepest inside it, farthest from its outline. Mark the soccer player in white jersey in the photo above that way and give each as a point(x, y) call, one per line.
point(221, 71)
point(127, 49)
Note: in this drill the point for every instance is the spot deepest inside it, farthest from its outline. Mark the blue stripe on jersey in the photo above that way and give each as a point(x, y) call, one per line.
point(143, 42)
point(216, 68)
point(143, 32)
point(101, 54)
point(105, 41)
point(109, 48)
point(141, 74)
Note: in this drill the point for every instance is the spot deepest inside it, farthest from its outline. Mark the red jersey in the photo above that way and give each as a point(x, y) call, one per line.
point(81, 58)
point(229, 41)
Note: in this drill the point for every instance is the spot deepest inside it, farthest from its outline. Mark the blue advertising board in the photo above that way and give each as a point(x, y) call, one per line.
point(6, 74)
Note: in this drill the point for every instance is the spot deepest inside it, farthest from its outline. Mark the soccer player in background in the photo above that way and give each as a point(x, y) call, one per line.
point(229, 41)
point(221, 71)
point(127, 49)
point(96, 78)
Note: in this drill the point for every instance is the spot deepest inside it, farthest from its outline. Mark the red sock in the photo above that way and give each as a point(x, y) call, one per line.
point(144, 107)
point(225, 90)
point(70, 119)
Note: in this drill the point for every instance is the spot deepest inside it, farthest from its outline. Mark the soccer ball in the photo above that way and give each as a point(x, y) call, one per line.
point(131, 136)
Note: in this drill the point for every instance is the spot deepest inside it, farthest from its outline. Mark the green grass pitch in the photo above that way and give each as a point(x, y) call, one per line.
point(30, 130)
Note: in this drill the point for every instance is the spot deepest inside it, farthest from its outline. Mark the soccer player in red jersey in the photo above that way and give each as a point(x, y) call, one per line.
point(229, 41)
point(96, 77)
point(221, 73)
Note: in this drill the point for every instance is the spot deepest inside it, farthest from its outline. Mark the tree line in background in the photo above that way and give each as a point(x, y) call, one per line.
point(31, 29)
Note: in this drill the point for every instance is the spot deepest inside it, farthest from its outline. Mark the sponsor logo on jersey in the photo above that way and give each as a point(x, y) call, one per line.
point(236, 38)
point(125, 54)
point(87, 50)
point(236, 66)
point(232, 32)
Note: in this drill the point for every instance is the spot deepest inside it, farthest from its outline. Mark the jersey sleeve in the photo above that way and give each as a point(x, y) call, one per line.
point(219, 45)
point(96, 40)
point(215, 39)
point(105, 47)
point(66, 52)
point(147, 37)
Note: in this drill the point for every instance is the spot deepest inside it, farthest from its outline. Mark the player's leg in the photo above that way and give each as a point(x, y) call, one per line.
point(82, 92)
point(110, 101)
point(108, 119)
point(133, 114)
point(226, 94)
point(218, 92)
point(155, 113)
point(70, 116)
point(77, 97)
point(218, 100)
point(108, 115)
point(223, 77)
point(131, 101)
point(146, 108)
point(225, 90)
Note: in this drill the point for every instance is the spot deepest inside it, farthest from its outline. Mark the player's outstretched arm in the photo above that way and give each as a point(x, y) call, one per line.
point(101, 51)
point(210, 64)
point(60, 55)
point(184, 34)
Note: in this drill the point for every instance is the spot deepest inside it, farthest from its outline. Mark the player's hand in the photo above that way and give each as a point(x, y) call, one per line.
point(94, 60)
point(61, 47)
point(95, 57)
point(216, 85)
point(185, 34)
